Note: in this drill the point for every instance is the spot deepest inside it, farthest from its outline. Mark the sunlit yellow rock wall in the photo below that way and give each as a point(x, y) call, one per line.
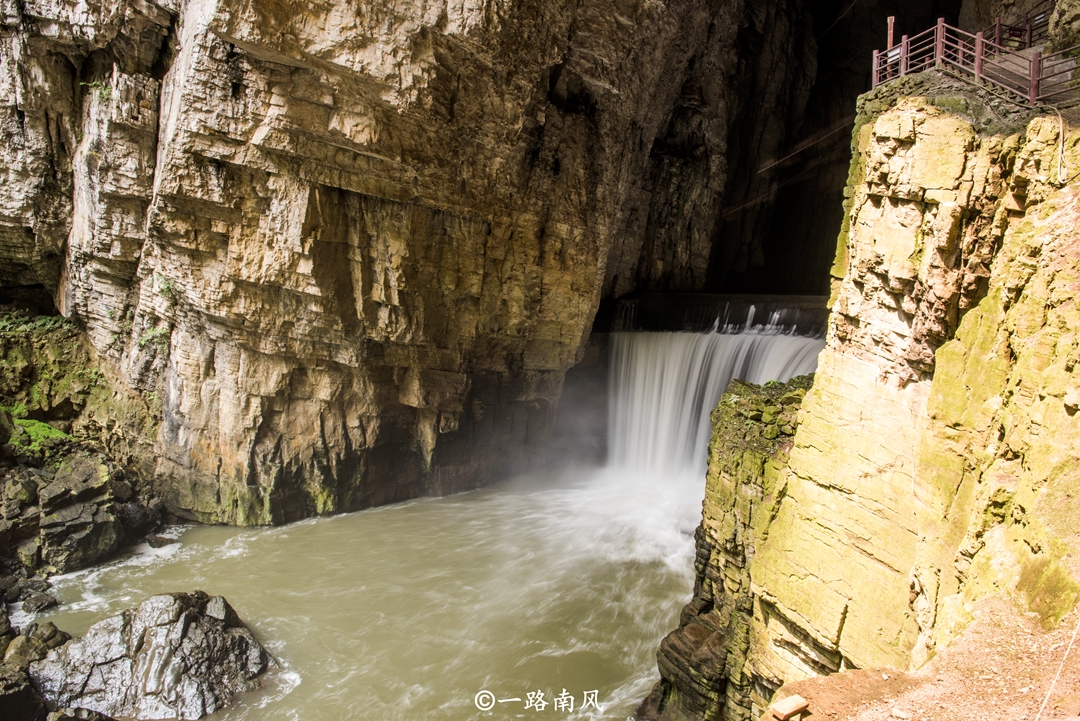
point(937, 455)
point(941, 417)
point(938, 450)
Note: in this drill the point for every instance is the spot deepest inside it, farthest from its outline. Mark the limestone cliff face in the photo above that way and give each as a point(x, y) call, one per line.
point(980, 14)
point(703, 664)
point(351, 248)
point(938, 453)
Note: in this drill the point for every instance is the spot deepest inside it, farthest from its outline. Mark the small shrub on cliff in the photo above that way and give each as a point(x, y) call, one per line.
point(22, 322)
point(158, 337)
point(101, 91)
point(166, 288)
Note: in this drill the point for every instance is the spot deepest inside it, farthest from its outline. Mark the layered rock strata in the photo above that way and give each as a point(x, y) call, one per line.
point(351, 249)
point(938, 454)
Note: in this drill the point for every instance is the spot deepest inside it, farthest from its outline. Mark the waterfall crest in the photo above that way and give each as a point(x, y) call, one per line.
point(664, 385)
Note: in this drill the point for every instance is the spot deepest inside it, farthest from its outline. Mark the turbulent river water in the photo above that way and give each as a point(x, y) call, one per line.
point(558, 581)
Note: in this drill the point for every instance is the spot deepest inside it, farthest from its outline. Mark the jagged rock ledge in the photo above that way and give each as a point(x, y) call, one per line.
point(175, 656)
point(937, 455)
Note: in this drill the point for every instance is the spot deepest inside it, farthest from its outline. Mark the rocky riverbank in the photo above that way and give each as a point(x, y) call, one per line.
point(181, 655)
point(72, 489)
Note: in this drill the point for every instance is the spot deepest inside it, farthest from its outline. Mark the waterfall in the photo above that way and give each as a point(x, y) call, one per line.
point(665, 385)
point(600, 559)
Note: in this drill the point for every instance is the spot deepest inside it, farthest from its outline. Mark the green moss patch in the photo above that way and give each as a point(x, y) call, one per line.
point(35, 434)
point(49, 372)
point(1049, 589)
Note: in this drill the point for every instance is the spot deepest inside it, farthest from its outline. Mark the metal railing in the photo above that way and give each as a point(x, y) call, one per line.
point(1025, 73)
point(1058, 76)
point(1033, 31)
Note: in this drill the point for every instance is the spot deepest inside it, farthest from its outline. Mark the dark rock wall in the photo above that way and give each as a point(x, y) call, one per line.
point(782, 209)
point(352, 248)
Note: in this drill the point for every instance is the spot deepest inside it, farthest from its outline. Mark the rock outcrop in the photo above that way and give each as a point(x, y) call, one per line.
point(74, 460)
point(35, 641)
point(176, 656)
point(701, 662)
point(346, 252)
point(19, 698)
point(937, 455)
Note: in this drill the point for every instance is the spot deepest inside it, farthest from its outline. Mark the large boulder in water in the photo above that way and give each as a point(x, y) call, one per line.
point(176, 656)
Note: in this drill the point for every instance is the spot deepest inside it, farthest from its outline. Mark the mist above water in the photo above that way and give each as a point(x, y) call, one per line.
point(560, 580)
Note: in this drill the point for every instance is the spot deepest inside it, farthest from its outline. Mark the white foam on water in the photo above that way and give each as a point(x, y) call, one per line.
point(561, 579)
point(17, 616)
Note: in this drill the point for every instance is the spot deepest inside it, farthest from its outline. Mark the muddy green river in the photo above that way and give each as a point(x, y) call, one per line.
point(409, 611)
point(551, 587)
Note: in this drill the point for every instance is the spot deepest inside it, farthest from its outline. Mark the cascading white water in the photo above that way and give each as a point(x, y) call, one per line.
point(552, 582)
point(664, 385)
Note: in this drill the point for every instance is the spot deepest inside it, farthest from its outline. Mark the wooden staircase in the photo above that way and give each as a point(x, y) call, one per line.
point(1009, 58)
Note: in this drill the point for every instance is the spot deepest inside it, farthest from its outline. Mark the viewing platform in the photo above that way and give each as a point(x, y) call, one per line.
point(1009, 58)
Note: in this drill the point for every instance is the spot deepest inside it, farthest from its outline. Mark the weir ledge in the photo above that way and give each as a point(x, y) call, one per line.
point(700, 312)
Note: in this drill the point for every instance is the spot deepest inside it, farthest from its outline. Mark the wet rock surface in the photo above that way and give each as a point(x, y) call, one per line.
point(35, 641)
point(19, 698)
point(77, 714)
point(180, 656)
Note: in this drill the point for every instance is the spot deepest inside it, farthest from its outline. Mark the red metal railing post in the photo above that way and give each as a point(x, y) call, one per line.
point(939, 42)
point(904, 50)
point(997, 32)
point(979, 50)
point(1027, 35)
point(1036, 71)
point(874, 77)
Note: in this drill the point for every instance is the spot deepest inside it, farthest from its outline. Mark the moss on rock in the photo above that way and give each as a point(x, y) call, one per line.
point(705, 664)
point(56, 389)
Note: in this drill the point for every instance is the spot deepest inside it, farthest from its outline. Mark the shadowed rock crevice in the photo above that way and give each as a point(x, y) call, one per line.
point(327, 228)
point(413, 220)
